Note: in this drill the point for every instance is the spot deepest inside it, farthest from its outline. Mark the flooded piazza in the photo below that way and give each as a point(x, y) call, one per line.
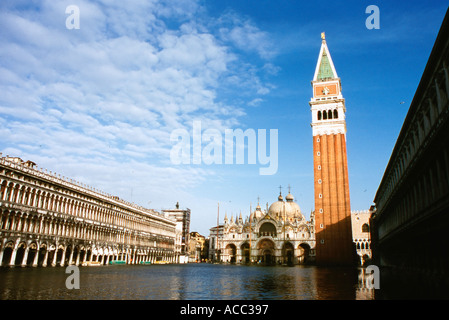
point(193, 282)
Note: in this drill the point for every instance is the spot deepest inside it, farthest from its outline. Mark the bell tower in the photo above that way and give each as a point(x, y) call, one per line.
point(332, 205)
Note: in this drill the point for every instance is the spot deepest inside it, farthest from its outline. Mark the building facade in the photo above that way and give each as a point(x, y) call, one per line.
point(197, 247)
point(49, 220)
point(331, 183)
point(182, 219)
point(216, 243)
point(412, 201)
point(278, 235)
point(361, 235)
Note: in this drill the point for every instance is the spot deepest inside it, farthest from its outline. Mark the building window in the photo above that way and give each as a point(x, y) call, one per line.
point(318, 139)
point(318, 153)
point(319, 181)
point(365, 228)
point(322, 241)
point(321, 210)
point(319, 115)
point(320, 196)
point(321, 225)
point(335, 114)
point(330, 114)
point(319, 167)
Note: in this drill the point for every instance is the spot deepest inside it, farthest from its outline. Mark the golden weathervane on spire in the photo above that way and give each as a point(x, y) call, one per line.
point(323, 36)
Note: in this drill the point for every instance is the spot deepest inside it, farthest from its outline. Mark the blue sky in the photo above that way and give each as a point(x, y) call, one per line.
point(99, 103)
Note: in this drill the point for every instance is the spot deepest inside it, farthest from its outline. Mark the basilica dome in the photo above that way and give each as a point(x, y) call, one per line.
point(257, 214)
point(288, 209)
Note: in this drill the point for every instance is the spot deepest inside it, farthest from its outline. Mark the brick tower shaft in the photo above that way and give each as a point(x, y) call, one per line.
point(331, 183)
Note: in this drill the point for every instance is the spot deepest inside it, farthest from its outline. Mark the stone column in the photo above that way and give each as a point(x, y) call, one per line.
point(63, 257)
point(11, 224)
point(446, 77)
point(77, 259)
point(437, 89)
point(36, 256)
point(41, 221)
point(13, 255)
point(1, 254)
point(44, 263)
point(24, 222)
point(127, 256)
point(71, 255)
point(85, 255)
point(19, 222)
point(25, 257)
point(53, 263)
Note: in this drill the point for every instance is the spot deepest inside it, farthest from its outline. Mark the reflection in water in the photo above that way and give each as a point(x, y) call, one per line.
point(332, 280)
point(185, 282)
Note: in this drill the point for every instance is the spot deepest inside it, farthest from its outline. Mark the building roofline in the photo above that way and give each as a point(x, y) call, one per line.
point(439, 46)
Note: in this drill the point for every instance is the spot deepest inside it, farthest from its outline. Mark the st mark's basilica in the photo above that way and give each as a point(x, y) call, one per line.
point(279, 234)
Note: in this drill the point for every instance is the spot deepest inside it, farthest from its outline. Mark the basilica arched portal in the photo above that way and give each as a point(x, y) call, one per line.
point(266, 252)
point(245, 249)
point(231, 252)
point(288, 253)
point(304, 252)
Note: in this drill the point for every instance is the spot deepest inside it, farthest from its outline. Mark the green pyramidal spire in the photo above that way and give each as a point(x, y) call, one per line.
point(325, 70)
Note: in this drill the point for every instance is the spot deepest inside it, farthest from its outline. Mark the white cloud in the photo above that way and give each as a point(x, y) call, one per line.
point(245, 35)
point(255, 102)
point(98, 104)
